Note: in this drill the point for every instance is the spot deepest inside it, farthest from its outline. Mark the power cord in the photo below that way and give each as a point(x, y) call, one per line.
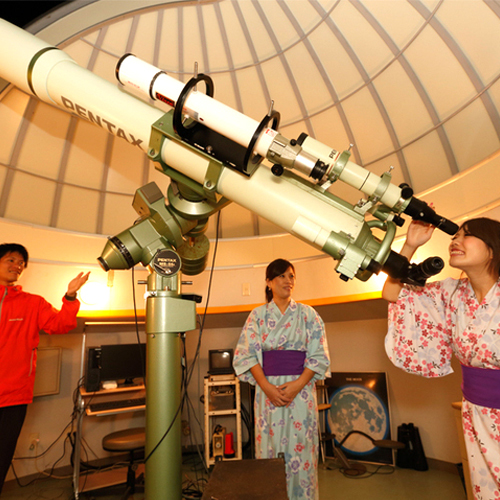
point(190, 370)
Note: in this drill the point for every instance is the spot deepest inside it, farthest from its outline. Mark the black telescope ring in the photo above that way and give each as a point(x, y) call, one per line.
point(119, 63)
point(152, 84)
point(179, 127)
point(31, 66)
point(256, 159)
point(123, 250)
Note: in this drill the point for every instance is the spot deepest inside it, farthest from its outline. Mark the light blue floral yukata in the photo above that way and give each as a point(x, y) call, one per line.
point(291, 430)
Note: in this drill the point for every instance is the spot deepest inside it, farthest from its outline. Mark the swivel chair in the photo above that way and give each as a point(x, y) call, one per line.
point(130, 440)
point(357, 469)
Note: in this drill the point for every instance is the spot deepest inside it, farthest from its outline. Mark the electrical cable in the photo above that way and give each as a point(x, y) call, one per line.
point(200, 454)
point(378, 470)
point(190, 372)
point(136, 323)
point(41, 473)
point(193, 488)
point(203, 318)
point(47, 450)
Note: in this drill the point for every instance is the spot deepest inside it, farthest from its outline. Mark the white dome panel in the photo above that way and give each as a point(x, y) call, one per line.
point(11, 115)
point(404, 105)
point(31, 199)
point(86, 165)
point(474, 26)
point(441, 74)
point(79, 207)
point(470, 142)
point(46, 135)
point(368, 48)
point(371, 136)
point(427, 157)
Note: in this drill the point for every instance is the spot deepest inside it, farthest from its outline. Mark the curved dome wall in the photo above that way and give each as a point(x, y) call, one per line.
point(412, 85)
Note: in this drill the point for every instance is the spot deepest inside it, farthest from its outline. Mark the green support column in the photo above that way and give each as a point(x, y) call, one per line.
point(167, 314)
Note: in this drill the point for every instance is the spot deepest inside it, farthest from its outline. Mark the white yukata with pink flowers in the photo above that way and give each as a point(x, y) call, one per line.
point(428, 324)
point(291, 430)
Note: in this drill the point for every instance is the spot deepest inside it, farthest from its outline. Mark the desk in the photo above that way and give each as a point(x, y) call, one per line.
point(82, 405)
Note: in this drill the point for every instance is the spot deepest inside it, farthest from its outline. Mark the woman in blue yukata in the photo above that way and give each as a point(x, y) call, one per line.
point(283, 351)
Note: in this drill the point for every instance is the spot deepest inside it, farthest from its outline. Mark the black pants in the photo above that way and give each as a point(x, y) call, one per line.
point(11, 422)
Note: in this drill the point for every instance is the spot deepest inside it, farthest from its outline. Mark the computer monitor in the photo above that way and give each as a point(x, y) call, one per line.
point(122, 362)
point(220, 361)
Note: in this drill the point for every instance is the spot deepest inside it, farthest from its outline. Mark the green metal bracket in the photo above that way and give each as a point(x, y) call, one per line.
point(339, 166)
point(163, 129)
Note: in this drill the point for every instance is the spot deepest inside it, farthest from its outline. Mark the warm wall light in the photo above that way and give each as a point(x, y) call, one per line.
point(93, 293)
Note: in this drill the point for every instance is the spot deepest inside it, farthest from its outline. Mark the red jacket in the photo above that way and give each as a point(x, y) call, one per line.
point(22, 316)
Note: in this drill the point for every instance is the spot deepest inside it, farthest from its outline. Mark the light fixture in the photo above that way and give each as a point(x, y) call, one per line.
point(94, 293)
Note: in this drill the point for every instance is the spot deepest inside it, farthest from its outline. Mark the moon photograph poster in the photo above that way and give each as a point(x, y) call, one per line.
point(360, 406)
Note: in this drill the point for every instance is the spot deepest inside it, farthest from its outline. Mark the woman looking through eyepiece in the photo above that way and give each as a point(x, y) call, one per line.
point(460, 316)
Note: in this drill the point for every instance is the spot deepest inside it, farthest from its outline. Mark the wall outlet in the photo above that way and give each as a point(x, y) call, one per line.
point(34, 439)
point(186, 429)
point(245, 289)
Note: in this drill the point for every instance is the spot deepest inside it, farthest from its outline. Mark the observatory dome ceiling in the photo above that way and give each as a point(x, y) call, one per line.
point(411, 85)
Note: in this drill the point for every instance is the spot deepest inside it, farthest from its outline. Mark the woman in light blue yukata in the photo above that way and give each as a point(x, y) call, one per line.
point(283, 351)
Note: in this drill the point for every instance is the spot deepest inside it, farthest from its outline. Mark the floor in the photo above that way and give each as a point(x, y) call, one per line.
point(379, 483)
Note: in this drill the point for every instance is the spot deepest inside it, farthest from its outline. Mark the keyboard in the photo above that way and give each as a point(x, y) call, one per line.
point(116, 405)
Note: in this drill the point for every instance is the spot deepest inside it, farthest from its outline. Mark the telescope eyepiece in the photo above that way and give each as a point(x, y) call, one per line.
point(431, 266)
point(398, 267)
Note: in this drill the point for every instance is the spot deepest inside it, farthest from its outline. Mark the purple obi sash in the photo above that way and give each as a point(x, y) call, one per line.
point(283, 362)
point(481, 386)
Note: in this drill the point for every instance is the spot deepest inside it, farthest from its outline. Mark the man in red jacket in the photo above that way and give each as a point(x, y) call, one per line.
point(22, 316)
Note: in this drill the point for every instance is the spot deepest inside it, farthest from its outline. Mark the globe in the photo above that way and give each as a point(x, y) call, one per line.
point(357, 408)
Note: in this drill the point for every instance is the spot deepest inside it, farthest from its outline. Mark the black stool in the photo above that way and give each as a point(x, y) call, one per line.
point(130, 440)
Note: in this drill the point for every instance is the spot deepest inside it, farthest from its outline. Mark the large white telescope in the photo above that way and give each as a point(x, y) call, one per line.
point(300, 206)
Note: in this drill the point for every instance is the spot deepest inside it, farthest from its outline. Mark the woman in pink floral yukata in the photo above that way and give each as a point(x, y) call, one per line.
point(283, 351)
point(427, 324)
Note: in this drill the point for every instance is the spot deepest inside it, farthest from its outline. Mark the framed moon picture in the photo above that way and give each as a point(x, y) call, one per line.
point(359, 414)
